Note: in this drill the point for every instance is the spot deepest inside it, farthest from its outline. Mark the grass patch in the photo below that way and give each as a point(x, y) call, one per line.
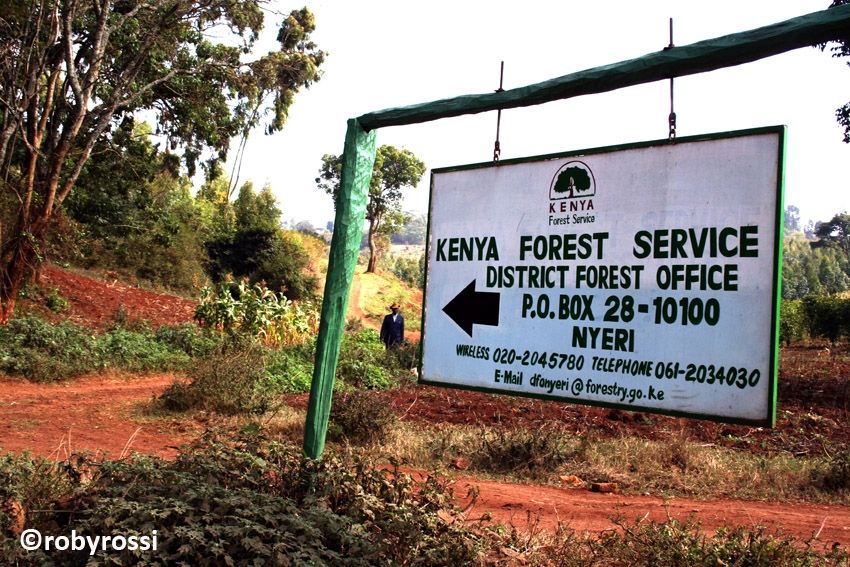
point(675, 467)
point(379, 290)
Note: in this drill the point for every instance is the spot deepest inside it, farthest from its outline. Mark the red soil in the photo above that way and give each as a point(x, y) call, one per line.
point(101, 414)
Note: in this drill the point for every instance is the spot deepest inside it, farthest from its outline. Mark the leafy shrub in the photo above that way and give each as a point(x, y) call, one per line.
point(290, 369)
point(188, 338)
point(406, 356)
point(648, 544)
point(43, 352)
point(827, 316)
point(536, 453)
point(409, 270)
point(138, 352)
point(363, 361)
point(231, 381)
point(361, 417)
point(56, 302)
point(253, 502)
point(242, 310)
point(793, 325)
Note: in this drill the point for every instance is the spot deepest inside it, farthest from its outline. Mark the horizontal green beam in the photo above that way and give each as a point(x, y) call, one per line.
point(708, 55)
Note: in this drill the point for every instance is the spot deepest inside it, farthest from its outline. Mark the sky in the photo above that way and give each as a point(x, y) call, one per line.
point(390, 53)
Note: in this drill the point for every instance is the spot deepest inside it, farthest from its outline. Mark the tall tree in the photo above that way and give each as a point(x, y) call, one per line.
point(835, 232)
point(792, 219)
point(72, 69)
point(395, 169)
point(841, 48)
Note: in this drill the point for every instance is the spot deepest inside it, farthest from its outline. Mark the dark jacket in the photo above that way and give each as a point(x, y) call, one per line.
point(392, 332)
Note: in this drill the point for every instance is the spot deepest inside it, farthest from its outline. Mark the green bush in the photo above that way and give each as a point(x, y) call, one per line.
point(231, 381)
point(138, 352)
point(816, 316)
point(834, 473)
point(188, 338)
point(793, 324)
point(43, 352)
point(363, 361)
point(290, 370)
point(249, 502)
point(826, 317)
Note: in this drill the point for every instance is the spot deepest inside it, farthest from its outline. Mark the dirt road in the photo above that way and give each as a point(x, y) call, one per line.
point(101, 415)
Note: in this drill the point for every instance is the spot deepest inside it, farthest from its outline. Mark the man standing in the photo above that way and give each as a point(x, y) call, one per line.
point(392, 329)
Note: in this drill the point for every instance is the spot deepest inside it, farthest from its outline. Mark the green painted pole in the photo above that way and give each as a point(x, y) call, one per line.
point(708, 55)
point(358, 160)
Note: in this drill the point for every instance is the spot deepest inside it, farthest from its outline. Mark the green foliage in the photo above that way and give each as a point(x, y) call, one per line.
point(792, 220)
point(43, 352)
point(244, 241)
point(253, 311)
point(230, 381)
point(55, 302)
point(249, 501)
point(648, 544)
point(290, 369)
point(188, 338)
point(135, 213)
point(137, 352)
point(834, 473)
point(409, 270)
point(813, 270)
point(413, 231)
point(361, 417)
point(363, 361)
point(793, 323)
point(828, 317)
point(394, 169)
point(185, 62)
point(823, 317)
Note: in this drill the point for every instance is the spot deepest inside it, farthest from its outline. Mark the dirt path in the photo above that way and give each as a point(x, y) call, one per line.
point(100, 414)
point(582, 510)
point(96, 414)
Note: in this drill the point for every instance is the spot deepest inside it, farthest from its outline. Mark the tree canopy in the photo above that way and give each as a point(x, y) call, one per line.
point(841, 48)
point(394, 170)
point(72, 70)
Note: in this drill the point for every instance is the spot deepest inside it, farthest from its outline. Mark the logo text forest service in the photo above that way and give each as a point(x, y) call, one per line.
point(572, 188)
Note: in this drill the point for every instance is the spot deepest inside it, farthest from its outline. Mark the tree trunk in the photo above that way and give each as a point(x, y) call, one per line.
point(20, 257)
point(373, 250)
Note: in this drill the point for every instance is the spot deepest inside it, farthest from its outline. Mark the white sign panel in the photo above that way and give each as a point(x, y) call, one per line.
point(642, 277)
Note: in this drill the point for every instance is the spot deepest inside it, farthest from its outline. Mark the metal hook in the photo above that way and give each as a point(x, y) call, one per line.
point(497, 148)
point(671, 118)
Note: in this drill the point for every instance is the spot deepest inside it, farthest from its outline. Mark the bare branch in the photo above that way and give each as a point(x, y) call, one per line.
point(70, 63)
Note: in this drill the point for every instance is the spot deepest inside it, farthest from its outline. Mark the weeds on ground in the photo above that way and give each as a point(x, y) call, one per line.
point(644, 543)
point(534, 453)
point(248, 500)
point(230, 381)
point(361, 417)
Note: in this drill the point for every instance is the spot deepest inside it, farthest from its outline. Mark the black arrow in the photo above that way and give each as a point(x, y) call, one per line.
point(471, 307)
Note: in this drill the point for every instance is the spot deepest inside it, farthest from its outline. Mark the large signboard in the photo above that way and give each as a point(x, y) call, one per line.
point(643, 277)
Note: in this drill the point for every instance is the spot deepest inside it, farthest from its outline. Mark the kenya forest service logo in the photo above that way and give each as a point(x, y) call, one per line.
point(573, 180)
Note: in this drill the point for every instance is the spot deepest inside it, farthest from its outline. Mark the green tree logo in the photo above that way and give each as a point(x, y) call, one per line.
point(573, 180)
